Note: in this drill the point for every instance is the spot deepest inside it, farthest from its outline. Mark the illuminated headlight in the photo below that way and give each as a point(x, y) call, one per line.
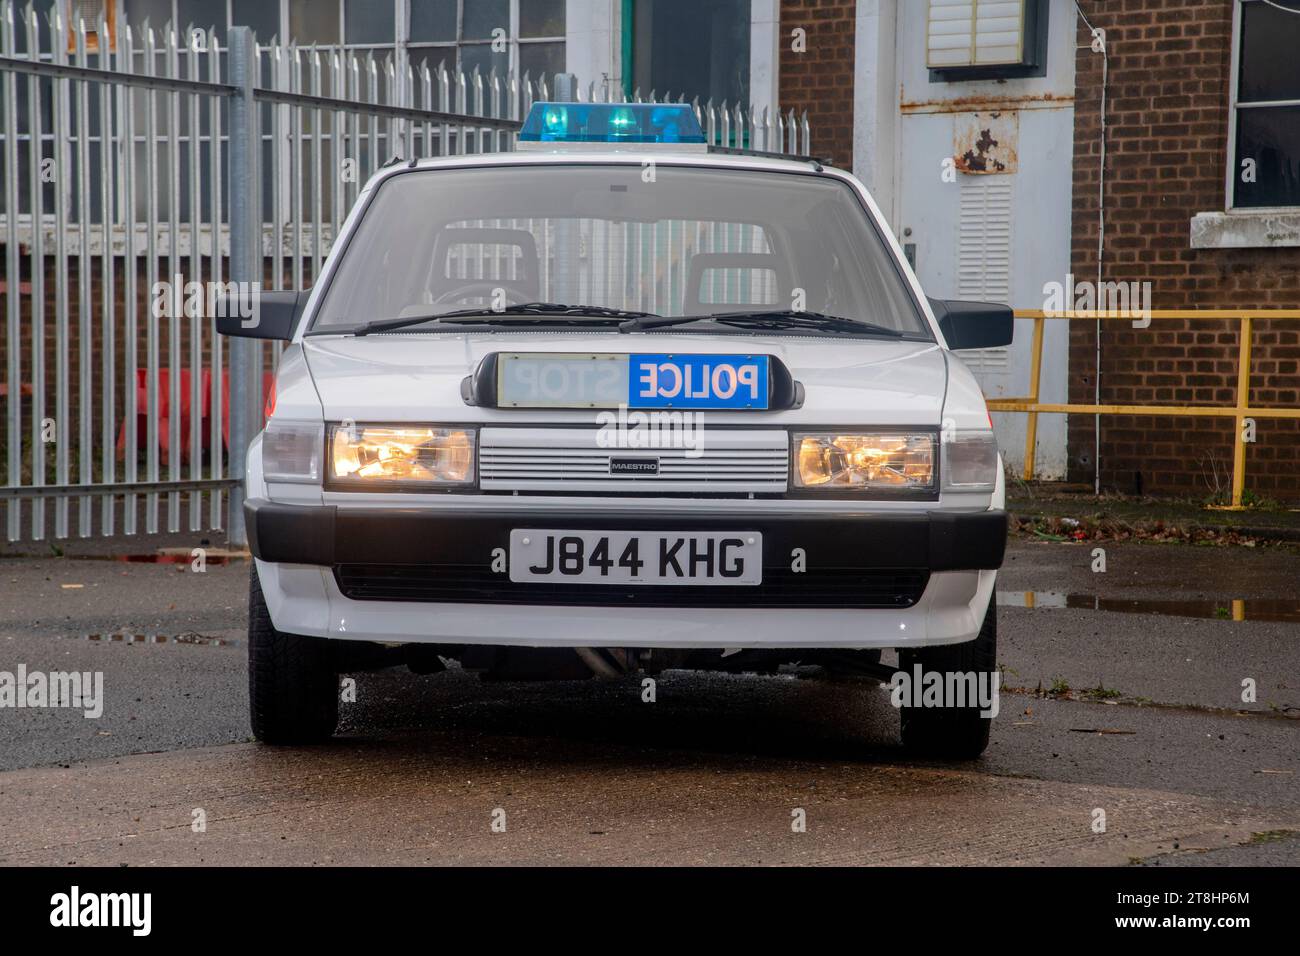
point(405, 455)
point(291, 451)
point(880, 462)
point(970, 461)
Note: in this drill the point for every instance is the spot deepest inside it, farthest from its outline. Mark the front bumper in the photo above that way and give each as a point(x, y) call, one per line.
point(872, 579)
point(849, 560)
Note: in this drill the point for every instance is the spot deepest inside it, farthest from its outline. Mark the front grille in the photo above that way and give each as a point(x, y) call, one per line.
point(781, 588)
point(736, 461)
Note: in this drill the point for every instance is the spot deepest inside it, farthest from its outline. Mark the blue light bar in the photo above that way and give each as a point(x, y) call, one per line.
point(611, 123)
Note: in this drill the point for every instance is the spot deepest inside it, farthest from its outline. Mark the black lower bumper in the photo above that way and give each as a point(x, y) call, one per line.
point(409, 554)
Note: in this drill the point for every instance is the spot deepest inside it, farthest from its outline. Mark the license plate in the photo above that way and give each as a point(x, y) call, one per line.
point(636, 557)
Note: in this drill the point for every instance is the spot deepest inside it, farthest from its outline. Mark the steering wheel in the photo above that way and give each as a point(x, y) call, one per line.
point(484, 288)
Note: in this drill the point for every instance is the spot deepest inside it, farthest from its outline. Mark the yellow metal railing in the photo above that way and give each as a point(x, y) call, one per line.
point(1241, 411)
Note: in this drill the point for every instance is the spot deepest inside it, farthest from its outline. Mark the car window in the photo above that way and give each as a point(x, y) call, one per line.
point(671, 240)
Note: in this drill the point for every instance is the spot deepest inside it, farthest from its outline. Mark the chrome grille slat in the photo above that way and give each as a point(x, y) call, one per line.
point(729, 460)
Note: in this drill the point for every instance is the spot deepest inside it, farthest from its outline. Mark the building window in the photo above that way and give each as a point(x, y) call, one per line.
point(541, 36)
point(1265, 131)
point(520, 36)
point(986, 39)
point(502, 35)
point(697, 49)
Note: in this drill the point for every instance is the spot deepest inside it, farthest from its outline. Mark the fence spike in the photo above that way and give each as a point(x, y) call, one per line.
point(102, 33)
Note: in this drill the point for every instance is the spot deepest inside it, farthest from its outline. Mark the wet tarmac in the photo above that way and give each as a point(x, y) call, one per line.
point(1135, 709)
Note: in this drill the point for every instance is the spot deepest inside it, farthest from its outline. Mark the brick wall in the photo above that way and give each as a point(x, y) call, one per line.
point(820, 80)
point(1167, 160)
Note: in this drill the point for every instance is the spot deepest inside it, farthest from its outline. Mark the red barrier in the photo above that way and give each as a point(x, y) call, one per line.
point(164, 411)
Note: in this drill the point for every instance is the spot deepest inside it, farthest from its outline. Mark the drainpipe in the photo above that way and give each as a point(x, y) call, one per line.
point(626, 16)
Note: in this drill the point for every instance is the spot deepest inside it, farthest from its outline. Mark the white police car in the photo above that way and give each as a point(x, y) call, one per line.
point(618, 402)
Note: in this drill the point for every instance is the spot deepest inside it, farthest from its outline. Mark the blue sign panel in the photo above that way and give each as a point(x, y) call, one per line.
point(697, 381)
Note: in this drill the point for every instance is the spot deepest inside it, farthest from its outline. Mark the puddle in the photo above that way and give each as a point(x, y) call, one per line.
point(156, 558)
point(197, 639)
point(1250, 609)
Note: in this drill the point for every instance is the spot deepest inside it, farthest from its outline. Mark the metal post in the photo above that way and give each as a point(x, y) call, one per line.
point(245, 390)
point(1035, 379)
point(1243, 405)
point(13, 314)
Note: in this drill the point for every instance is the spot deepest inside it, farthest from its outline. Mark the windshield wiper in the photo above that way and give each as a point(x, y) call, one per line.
point(764, 319)
point(486, 315)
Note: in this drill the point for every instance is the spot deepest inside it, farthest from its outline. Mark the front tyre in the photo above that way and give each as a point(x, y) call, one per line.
point(293, 687)
point(951, 732)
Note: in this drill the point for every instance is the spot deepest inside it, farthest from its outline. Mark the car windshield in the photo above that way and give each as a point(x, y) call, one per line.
point(659, 239)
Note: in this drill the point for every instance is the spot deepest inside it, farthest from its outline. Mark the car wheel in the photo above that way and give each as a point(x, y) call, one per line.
point(293, 687)
point(952, 732)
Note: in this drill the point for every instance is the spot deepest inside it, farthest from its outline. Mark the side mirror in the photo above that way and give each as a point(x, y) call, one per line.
point(974, 325)
point(268, 315)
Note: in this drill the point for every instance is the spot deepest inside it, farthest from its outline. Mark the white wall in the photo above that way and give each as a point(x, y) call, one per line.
point(592, 40)
point(875, 103)
point(764, 57)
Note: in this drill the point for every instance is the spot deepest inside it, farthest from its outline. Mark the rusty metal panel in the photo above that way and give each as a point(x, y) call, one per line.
point(986, 143)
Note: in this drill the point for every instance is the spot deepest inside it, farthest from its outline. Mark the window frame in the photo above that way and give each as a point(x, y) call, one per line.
point(513, 40)
point(401, 46)
point(1234, 105)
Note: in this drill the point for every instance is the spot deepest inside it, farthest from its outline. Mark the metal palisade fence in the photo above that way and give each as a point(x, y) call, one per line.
point(144, 168)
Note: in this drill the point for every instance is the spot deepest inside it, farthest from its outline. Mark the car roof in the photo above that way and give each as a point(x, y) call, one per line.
point(624, 156)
